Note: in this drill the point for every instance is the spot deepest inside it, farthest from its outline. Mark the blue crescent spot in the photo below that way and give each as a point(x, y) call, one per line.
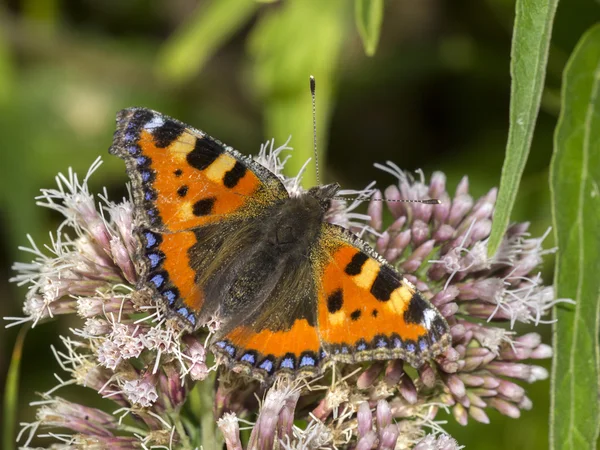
point(221, 344)
point(192, 319)
point(381, 343)
point(148, 196)
point(266, 365)
point(433, 338)
point(183, 311)
point(336, 351)
point(361, 347)
point(133, 149)
point(170, 296)
point(307, 361)
point(129, 136)
point(145, 175)
point(410, 347)
point(141, 160)
point(249, 358)
point(158, 281)
point(422, 344)
point(345, 350)
point(397, 343)
point(288, 363)
point(154, 259)
point(230, 349)
point(150, 240)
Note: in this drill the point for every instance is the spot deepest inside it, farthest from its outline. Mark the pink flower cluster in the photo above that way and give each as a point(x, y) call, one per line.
point(160, 378)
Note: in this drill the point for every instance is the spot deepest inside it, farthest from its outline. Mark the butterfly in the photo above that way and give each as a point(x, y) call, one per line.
point(220, 235)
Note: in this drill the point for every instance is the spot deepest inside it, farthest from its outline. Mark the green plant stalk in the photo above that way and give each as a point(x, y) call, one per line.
point(188, 50)
point(210, 437)
point(11, 391)
point(281, 70)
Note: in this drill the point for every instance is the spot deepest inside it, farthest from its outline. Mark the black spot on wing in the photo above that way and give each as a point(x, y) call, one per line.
point(204, 207)
point(233, 176)
point(415, 309)
point(167, 133)
point(355, 314)
point(354, 267)
point(439, 328)
point(182, 191)
point(178, 172)
point(335, 301)
point(204, 154)
point(385, 283)
point(141, 116)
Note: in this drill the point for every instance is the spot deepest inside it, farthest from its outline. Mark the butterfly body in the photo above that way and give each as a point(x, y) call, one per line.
point(221, 236)
point(260, 255)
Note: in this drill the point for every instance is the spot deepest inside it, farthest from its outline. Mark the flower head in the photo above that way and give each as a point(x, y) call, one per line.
point(129, 351)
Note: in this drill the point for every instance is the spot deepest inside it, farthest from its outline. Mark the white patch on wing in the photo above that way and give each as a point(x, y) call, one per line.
point(155, 122)
point(409, 284)
point(428, 317)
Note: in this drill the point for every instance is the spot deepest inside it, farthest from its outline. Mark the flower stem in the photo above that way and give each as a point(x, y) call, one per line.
point(184, 439)
point(12, 391)
point(210, 438)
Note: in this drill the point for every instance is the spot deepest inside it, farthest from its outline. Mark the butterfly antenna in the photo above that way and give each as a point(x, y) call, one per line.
point(425, 201)
point(314, 115)
point(362, 198)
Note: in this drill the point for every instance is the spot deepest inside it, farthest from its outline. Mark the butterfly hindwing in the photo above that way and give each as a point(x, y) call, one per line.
point(367, 310)
point(279, 334)
point(263, 352)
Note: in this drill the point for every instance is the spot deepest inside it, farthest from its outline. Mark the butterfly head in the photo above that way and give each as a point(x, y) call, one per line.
point(295, 223)
point(324, 194)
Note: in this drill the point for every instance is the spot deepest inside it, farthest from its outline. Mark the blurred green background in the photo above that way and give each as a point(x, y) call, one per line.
point(434, 96)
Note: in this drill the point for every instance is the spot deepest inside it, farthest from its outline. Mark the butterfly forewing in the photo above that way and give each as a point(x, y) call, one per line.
point(183, 178)
point(184, 182)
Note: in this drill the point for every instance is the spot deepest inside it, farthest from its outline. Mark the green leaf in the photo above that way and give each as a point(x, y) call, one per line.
point(11, 392)
point(190, 47)
point(574, 178)
point(369, 16)
point(281, 70)
point(529, 56)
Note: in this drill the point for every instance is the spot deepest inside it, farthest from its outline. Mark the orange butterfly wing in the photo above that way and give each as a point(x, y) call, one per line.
point(367, 310)
point(194, 196)
point(263, 352)
point(184, 183)
point(281, 334)
point(184, 178)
